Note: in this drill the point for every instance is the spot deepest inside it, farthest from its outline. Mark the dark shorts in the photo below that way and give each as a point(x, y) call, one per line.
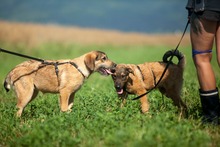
point(209, 15)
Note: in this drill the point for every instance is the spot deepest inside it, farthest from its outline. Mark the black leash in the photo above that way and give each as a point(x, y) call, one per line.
point(32, 58)
point(21, 55)
point(169, 62)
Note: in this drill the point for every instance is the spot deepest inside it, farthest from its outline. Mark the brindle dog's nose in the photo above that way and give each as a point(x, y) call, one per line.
point(117, 86)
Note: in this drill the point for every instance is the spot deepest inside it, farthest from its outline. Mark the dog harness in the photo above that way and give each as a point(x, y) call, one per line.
point(195, 52)
point(56, 64)
point(154, 77)
point(138, 67)
point(76, 66)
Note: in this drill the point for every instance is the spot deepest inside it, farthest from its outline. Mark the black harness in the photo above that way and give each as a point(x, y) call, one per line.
point(61, 63)
point(76, 66)
point(154, 77)
point(56, 64)
point(138, 67)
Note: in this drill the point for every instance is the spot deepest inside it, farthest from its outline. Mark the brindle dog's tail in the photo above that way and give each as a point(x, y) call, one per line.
point(178, 54)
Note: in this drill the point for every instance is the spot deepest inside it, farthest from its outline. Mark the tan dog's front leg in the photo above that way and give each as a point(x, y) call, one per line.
point(64, 100)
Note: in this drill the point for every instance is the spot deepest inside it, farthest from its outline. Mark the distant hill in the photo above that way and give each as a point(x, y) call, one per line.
point(146, 16)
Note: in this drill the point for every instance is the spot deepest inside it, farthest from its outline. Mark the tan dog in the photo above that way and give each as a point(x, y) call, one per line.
point(138, 79)
point(30, 77)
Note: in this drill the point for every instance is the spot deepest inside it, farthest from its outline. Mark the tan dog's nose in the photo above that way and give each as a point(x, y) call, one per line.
point(113, 68)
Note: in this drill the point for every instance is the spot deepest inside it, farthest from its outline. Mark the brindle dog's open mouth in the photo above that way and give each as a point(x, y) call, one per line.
point(119, 91)
point(122, 93)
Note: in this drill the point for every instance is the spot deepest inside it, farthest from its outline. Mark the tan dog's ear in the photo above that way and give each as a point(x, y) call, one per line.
point(129, 70)
point(99, 55)
point(89, 61)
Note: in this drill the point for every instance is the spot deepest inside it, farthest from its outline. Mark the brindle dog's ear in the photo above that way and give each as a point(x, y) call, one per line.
point(129, 70)
point(90, 61)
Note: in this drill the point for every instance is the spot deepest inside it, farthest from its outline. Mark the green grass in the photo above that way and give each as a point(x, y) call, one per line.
point(96, 118)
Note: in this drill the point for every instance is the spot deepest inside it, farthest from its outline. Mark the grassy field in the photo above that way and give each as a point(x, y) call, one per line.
point(97, 119)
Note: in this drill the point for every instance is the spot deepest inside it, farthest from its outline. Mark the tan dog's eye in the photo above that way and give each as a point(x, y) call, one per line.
point(104, 58)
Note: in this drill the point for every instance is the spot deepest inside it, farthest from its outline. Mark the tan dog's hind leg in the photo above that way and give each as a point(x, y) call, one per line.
point(24, 94)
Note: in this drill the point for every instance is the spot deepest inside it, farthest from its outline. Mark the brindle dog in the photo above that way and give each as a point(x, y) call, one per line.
point(138, 79)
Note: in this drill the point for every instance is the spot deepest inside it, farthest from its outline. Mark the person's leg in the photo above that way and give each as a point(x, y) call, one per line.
point(218, 43)
point(202, 43)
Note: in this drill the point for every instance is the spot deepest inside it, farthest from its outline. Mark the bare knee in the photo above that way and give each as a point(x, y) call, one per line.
point(201, 60)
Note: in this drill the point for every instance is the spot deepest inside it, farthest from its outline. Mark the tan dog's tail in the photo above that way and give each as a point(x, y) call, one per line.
point(7, 85)
point(177, 54)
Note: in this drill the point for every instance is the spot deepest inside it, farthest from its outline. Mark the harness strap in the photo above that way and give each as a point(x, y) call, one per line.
point(56, 64)
point(56, 68)
point(140, 72)
point(76, 66)
point(154, 77)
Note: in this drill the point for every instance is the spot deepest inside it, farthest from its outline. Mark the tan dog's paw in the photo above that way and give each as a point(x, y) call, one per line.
point(70, 107)
point(145, 108)
point(69, 110)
